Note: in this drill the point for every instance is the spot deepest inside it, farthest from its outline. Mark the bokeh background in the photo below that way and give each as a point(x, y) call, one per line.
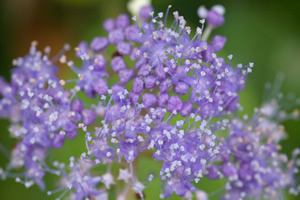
point(266, 32)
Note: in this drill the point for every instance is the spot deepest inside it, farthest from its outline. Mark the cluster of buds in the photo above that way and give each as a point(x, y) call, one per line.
point(155, 89)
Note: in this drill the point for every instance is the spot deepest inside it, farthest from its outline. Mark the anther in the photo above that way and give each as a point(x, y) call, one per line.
point(62, 133)
point(66, 46)
point(62, 82)
point(80, 76)
point(63, 59)
point(32, 80)
point(34, 43)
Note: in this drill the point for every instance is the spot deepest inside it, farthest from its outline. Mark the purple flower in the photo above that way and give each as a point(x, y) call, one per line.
point(214, 16)
point(174, 104)
point(163, 72)
point(99, 63)
point(77, 105)
point(100, 86)
point(145, 12)
point(163, 99)
point(125, 75)
point(109, 24)
point(181, 88)
point(149, 99)
point(187, 109)
point(122, 21)
point(89, 116)
point(117, 64)
point(248, 160)
point(124, 48)
point(99, 43)
point(138, 85)
point(115, 36)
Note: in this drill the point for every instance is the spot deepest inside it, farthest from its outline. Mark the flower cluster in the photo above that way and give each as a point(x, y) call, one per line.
point(40, 112)
point(251, 162)
point(174, 99)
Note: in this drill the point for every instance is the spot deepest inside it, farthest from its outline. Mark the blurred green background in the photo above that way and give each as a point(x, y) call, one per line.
point(266, 32)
